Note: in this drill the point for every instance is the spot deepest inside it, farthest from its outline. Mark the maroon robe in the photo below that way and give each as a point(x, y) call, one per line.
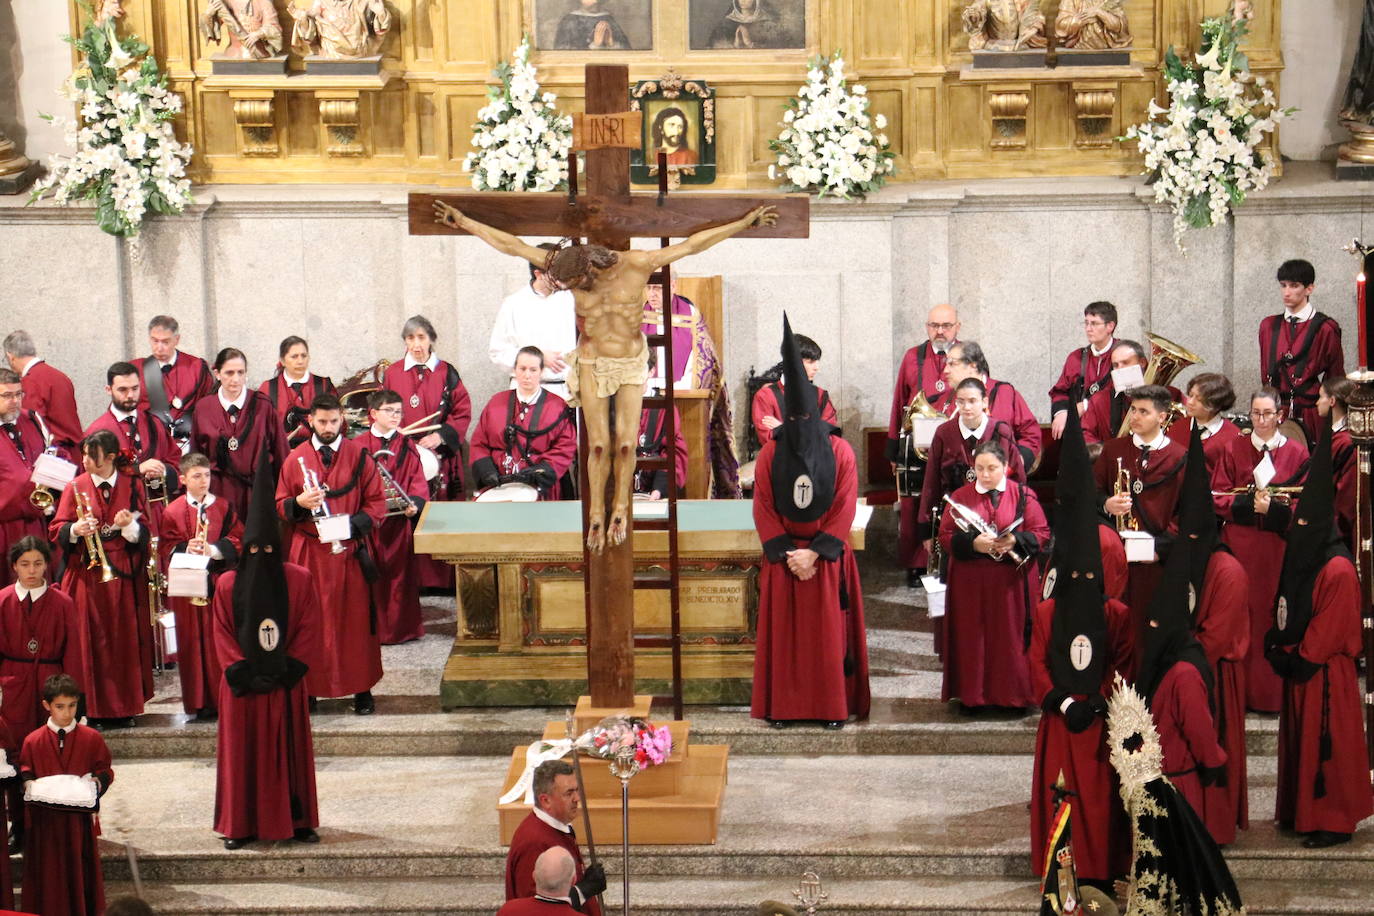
point(10, 806)
point(197, 667)
point(350, 658)
point(805, 631)
point(62, 874)
point(187, 381)
point(949, 465)
point(1115, 569)
point(265, 754)
point(922, 369)
point(531, 838)
point(1222, 627)
point(154, 441)
point(653, 430)
point(396, 594)
point(556, 447)
point(35, 644)
point(1345, 467)
point(293, 403)
point(988, 604)
point(234, 445)
point(534, 906)
point(1099, 821)
point(1258, 541)
point(1081, 367)
point(1296, 360)
point(1333, 641)
point(18, 517)
point(1103, 419)
point(422, 393)
point(1187, 733)
point(1005, 403)
point(50, 394)
point(767, 404)
point(1156, 508)
point(1213, 446)
point(113, 624)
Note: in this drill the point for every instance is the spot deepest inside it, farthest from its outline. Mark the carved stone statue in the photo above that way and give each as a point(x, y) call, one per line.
point(1003, 25)
point(340, 29)
point(1093, 25)
point(252, 26)
point(611, 359)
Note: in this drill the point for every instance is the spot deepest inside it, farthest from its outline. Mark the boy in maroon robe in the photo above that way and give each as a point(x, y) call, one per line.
point(1155, 464)
point(1080, 640)
point(922, 372)
point(22, 439)
point(61, 855)
point(48, 392)
point(113, 626)
point(266, 636)
point(198, 511)
point(142, 434)
point(1323, 784)
point(350, 659)
point(171, 382)
point(766, 412)
point(1088, 368)
point(232, 427)
point(525, 435)
point(1300, 347)
point(557, 802)
point(293, 387)
point(811, 661)
point(395, 592)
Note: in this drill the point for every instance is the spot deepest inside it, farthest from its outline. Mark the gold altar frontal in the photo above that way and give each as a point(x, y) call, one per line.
point(521, 638)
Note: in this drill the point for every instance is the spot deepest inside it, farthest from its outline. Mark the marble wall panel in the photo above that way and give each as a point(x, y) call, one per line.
point(167, 277)
point(1191, 295)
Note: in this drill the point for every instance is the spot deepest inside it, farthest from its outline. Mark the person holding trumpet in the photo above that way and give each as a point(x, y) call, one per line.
point(25, 438)
point(330, 495)
point(1250, 482)
point(99, 530)
point(201, 523)
point(143, 434)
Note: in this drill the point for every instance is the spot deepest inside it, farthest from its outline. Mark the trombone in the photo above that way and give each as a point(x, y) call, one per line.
point(95, 548)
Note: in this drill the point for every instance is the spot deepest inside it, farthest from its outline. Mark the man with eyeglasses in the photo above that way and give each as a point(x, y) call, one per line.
point(1300, 347)
point(1088, 367)
point(922, 370)
point(25, 437)
point(966, 360)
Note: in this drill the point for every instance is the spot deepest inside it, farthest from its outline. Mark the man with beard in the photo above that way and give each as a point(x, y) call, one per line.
point(811, 662)
point(1323, 785)
point(330, 484)
point(25, 437)
point(141, 433)
point(669, 134)
point(267, 633)
point(48, 392)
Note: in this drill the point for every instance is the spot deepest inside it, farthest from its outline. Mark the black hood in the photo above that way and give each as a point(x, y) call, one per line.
point(1197, 515)
point(261, 602)
point(1313, 539)
point(1078, 637)
point(803, 461)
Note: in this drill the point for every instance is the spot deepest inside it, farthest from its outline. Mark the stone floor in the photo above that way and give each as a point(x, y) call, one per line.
point(919, 810)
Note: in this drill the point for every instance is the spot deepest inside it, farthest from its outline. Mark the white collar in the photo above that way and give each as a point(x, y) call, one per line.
point(31, 363)
point(1111, 344)
point(548, 899)
point(381, 435)
point(34, 593)
point(294, 381)
point(1338, 425)
point(552, 821)
point(1000, 488)
point(98, 480)
point(1274, 444)
point(977, 433)
point(1211, 427)
point(207, 502)
point(242, 399)
point(121, 415)
point(1159, 442)
point(1303, 314)
point(172, 361)
point(54, 729)
point(431, 364)
point(315, 441)
point(531, 399)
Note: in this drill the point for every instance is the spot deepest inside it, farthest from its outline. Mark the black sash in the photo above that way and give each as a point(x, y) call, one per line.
point(223, 456)
point(1138, 507)
point(522, 438)
point(158, 402)
point(1300, 354)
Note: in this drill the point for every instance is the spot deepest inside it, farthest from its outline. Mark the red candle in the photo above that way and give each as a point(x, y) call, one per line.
point(1359, 310)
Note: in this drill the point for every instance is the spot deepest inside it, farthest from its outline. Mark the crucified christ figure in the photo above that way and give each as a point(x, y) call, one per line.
point(611, 359)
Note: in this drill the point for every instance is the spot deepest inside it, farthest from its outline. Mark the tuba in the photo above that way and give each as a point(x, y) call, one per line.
point(910, 459)
point(1167, 360)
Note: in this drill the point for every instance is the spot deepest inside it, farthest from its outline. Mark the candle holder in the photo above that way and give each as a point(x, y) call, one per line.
point(624, 767)
point(810, 893)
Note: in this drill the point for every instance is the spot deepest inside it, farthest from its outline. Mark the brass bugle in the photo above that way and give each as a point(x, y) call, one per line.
point(95, 548)
point(1281, 495)
point(202, 534)
point(41, 498)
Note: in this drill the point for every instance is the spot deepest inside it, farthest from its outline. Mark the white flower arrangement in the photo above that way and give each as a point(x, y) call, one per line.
point(127, 160)
point(522, 141)
point(1203, 149)
point(829, 143)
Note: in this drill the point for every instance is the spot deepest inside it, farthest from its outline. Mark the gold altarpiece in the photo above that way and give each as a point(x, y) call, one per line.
point(412, 124)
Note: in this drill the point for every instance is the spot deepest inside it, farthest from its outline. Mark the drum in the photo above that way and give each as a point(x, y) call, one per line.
point(1292, 429)
point(508, 493)
point(429, 462)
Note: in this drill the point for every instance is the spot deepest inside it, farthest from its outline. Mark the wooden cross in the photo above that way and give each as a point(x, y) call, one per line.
point(608, 214)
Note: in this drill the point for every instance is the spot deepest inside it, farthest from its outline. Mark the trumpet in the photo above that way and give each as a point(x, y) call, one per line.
point(1280, 495)
point(1167, 360)
point(41, 498)
point(311, 481)
point(965, 519)
point(1124, 487)
point(398, 501)
point(95, 548)
point(202, 535)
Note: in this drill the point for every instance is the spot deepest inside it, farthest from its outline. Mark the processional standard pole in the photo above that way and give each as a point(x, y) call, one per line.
point(624, 767)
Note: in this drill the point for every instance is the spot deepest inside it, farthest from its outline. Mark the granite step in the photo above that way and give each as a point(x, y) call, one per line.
point(929, 896)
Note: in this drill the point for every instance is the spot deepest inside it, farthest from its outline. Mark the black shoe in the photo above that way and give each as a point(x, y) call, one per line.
point(207, 715)
point(363, 704)
point(777, 723)
point(305, 835)
point(834, 726)
point(1321, 839)
point(16, 844)
point(314, 701)
point(237, 842)
point(913, 578)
